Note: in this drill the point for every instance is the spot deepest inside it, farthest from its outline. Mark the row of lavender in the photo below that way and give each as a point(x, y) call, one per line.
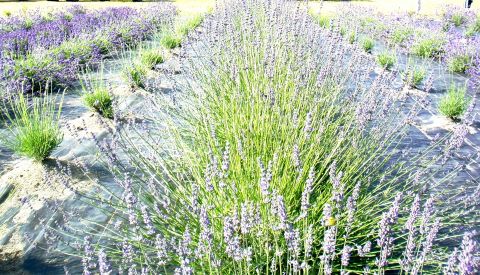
point(50, 49)
point(283, 160)
point(454, 39)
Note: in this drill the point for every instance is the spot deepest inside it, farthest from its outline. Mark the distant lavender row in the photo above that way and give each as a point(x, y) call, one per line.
point(454, 39)
point(28, 19)
point(52, 52)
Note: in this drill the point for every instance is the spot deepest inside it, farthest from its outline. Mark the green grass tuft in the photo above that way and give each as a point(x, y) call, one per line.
point(401, 35)
point(135, 74)
point(459, 63)
point(457, 19)
point(188, 25)
point(414, 76)
point(367, 44)
point(101, 101)
point(171, 40)
point(33, 126)
point(454, 104)
point(151, 57)
point(323, 20)
point(386, 60)
point(429, 47)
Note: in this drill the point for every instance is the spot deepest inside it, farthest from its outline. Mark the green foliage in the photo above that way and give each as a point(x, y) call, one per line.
point(135, 74)
point(352, 37)
point(101, 101)
point(343, 30)
point(414, 76)
point(7, 13)
point(428, 47)
point(78, 48)
point(474, 28)
point(459, 63)
point(28, 23)
point(454, 104)
point(386, 59)
point(170, 40)
point(457, 19)
point(323, 20)
point(151, 57)
point(33, 127)
point(188, 25)
point(367, 44)
point(68, 16)
point(102, 43)
point(400, 35)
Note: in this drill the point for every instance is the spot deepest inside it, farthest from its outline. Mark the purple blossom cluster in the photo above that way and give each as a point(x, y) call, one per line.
point(52, 51)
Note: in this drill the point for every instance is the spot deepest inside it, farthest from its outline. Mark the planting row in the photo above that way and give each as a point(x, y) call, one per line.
point(287, 155)
point(454, 39)
point(53, 51)
point(34, 131)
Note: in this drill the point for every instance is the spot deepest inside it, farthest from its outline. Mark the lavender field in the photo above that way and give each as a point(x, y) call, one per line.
point(240, 137)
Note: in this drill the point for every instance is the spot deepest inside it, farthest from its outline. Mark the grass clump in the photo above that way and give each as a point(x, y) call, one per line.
point(414, 76)
point(188, 25)
point(352, 37)
point(323, 20)
point(429, 47)
point(401, 35)
point(457, 19)
point(135, 74)
point(454, 104)
point(386, 60)
point(170, 40)
point(33, 126)
point(101, 101)
point(151, 57)
point(367, 44)
point(459, 63)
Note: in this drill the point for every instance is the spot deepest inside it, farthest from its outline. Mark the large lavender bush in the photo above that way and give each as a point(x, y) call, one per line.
point(288, 156)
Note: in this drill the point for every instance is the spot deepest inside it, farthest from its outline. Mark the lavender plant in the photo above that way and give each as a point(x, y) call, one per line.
point(32, 125)
point(367, 44)
point(96, 95)
point(284, 158)
point(171, 40)
point(386, 59)
point(455, 102)
point(429, 47)
point(414, 75)
point(151, 57)
point(135, 74)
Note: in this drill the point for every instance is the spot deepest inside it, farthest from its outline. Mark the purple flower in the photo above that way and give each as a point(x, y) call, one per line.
point(468, 262)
